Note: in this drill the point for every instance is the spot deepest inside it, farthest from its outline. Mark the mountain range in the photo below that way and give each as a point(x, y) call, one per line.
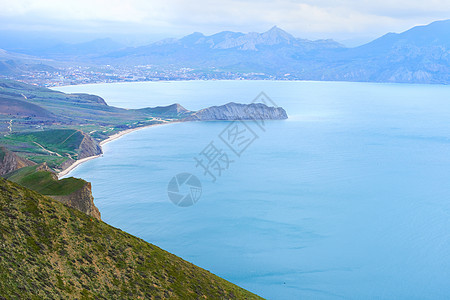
point(418, 55)
point(270, 52)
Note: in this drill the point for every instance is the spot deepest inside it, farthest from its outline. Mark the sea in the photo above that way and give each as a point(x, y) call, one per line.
point(349, 198)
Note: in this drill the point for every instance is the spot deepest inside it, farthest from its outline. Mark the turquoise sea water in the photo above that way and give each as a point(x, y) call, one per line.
point(347, 199)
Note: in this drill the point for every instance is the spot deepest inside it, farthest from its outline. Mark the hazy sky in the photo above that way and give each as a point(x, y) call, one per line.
point(152, 19)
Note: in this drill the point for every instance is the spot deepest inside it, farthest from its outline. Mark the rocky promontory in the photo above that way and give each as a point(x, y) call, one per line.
point(82, 200)
point(88, 147)
point(236, 111)
point(73, 192)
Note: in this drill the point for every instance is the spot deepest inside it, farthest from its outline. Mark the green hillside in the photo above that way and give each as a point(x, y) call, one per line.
point(67, 139)
point(63, 142)
point(50, 251)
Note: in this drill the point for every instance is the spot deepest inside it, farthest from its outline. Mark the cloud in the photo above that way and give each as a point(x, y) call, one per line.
point(81, 10)
point(306, 18)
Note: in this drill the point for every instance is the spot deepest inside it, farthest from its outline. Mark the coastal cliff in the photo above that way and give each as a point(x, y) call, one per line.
point(71, 191)
point(10, 161)
point(88, 147)
point(237, 111)
point(82, 200)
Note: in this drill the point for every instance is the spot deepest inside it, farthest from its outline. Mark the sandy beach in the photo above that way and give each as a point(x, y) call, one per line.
point(74, 165)
point(122, 133)
point(109, 139)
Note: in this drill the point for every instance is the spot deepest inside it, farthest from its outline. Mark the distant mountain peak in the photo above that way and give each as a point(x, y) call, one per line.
point(276, 35)
point(178, 108)
point(251, 41)
point(277, 30)
point(193, 37)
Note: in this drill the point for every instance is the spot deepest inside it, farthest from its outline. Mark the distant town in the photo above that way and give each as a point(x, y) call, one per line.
point(108, 74)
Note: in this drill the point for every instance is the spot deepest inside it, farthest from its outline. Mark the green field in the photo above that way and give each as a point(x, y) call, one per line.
point(54, 146)
point(61, 141)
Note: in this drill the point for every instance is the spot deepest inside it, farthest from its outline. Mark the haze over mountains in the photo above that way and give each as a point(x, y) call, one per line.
point(419, 55)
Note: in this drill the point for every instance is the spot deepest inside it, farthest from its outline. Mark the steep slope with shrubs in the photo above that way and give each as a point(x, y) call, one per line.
point(51, 251)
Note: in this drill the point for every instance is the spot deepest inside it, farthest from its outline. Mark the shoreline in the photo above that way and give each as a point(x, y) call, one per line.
point(119, 134)
point(111, 138)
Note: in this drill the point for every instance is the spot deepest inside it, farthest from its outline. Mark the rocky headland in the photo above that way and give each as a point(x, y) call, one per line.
point(237, 111)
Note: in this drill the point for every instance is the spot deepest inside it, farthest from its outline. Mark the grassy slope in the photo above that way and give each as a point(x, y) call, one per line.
point(43, 181)
point(49, 250)
point(66, 138)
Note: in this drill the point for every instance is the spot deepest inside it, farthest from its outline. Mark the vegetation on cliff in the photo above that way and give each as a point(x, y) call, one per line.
point(49, 250)
point(44, 181)
point(72, 191)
